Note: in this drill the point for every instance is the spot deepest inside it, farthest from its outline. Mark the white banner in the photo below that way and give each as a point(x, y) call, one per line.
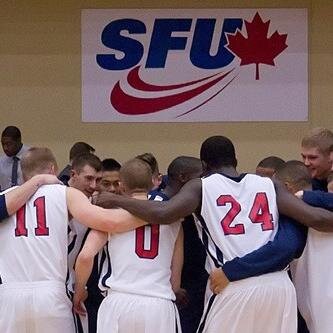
point(194, 65)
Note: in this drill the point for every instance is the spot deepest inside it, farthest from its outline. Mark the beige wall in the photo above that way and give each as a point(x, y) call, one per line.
point(40, 86)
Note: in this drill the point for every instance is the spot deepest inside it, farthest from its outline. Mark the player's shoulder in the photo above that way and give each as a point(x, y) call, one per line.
point(50, 189)
point(258, 179)
point(255, 183)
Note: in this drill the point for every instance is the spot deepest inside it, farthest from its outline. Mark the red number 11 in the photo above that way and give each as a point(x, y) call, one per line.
point(41, 229)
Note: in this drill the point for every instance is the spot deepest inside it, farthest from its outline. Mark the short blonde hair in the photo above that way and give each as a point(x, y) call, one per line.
point(136, 174)
point(319, 137)
point(37, 161)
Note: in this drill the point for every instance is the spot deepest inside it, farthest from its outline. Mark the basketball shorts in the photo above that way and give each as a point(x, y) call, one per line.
point(35, 307)
point(124, 313)
point(261, 304)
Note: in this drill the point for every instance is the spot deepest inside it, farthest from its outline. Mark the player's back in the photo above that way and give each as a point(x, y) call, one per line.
point(34, 240)
point(141, 260)
point(238, 215)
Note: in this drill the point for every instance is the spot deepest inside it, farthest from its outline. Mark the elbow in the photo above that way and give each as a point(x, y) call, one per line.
point(112, 227)
point(84, 259)
point(322, 226)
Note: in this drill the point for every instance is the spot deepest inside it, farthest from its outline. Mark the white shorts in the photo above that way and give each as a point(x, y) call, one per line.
point(36, 307)
point(262, 304)
point(127, 313)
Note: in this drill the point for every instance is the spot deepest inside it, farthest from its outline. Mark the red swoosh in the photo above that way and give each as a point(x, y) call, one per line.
point(136, 82)
point(132, 105)
point(207, 100)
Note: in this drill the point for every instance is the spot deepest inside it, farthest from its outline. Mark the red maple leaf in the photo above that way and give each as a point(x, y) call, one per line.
point(257, 48)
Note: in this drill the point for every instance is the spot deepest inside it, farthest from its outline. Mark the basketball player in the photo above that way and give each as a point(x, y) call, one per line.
point(312, 288)
point(33, 253)
point(268, 166)
point(110, 176)
point(190, 298)
point(237, 214)
point(275, 255)
point(315, 151)
point(146, 268)
point(84, 176)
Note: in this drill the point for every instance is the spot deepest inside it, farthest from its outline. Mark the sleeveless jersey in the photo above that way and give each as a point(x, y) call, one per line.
point(312, 275)
point(238, 215)
point(76, 236)
point(141, 260)
point(34, 240)
point(104, 268)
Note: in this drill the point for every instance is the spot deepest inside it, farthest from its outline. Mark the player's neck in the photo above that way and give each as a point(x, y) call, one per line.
point(227, 170)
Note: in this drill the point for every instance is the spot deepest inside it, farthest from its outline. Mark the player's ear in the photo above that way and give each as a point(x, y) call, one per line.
point(204, 168)
point(53, 169)
point(72, 174)
point(289, 187)
point(183, 178)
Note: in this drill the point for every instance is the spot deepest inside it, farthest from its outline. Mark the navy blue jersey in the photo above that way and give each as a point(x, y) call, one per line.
point(319, 184)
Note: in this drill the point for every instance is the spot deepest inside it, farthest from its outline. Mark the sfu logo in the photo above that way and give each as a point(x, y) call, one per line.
point(239, 43)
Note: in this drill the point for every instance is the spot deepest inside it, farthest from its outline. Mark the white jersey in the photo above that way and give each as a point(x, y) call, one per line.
point(238, 215)
point(104, 260)
point(104, 268)
point(34, 240)
point(76, 236)
point(141, 260)
point(312, 276)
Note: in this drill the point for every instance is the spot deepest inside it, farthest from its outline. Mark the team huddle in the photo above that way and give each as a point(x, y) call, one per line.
point(97, 255)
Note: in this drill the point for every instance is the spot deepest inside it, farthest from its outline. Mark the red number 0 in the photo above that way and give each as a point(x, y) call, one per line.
point(42, 229)
point(140, 250)
point(259, 213)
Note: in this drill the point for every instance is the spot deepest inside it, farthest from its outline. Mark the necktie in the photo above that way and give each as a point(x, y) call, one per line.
point(14, 170)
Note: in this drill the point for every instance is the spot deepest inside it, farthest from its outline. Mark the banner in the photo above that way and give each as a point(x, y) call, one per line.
point(194, 65)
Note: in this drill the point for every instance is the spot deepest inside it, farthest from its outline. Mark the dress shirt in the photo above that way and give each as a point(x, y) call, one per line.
point(6, 166)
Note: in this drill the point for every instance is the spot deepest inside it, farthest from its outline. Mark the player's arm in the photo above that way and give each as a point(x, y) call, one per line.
point(184, 203)
point(288, 244)
point(177, 261)
point(107, 220)
point(176, 270)
point(317, 218)
point(13, 200)
point(275, 255)
point(318, 199)
point(84, 265)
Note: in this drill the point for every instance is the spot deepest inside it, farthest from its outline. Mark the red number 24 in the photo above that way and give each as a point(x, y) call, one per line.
point(259, 213)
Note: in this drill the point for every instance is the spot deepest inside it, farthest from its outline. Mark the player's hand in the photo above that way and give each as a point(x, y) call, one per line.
point(79, 297)
point(182, 298)
point(218, 280)
point(105, 200)
point(299, 194)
